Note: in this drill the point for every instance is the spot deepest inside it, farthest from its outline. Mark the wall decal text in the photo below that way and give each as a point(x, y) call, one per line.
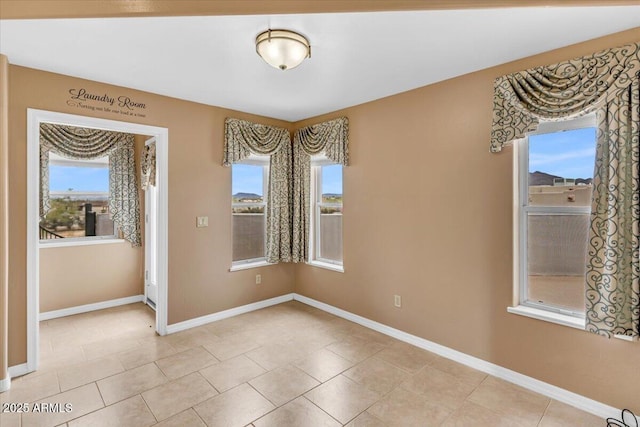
point(123, 105)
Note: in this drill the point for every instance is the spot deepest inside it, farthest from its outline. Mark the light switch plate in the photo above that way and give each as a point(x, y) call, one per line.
point(202, 221)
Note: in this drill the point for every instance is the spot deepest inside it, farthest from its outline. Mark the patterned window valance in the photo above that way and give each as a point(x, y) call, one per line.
point(78, 143)
point(330, 138)
point(243, 138)
point(555, 92)
point(84, 144)
point(148, 166)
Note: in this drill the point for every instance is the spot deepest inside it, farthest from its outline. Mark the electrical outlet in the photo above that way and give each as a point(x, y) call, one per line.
point(202, 221)
point(258, 279)
point(397, 301)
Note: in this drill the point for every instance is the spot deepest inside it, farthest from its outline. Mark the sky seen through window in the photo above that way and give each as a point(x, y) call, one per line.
point(63, 178)
point(567, 154)
point(248, 179)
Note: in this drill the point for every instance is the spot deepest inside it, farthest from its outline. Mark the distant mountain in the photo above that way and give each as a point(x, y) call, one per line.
point(242, 196)
point(542, 178)
point(584, 180)
point(332, 195)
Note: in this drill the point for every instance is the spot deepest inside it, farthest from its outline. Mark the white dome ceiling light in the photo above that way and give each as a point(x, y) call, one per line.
point(282, 49)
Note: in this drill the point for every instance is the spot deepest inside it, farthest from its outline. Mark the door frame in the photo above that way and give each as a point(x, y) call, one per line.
point(34, 119)
point(149, 211)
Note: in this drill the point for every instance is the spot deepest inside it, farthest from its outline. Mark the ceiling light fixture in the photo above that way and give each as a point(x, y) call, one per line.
point(282, 49)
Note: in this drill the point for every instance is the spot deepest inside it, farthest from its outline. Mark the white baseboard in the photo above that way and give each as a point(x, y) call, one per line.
point(589, 405)
point(18, 370)
point(199, 321)
point(5, 384)
point(48, 315)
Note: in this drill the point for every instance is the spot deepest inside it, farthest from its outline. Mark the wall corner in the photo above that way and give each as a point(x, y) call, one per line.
point(4, 222)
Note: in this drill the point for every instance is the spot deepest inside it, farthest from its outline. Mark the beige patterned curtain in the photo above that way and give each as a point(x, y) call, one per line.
point(243, 138)
point(607, 82)
point(148, 166)
point(330, 138)
point(613, 269)
point(83, 143)
point(560, 91)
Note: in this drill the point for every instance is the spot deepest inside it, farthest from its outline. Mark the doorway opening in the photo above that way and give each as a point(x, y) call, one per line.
point(150, 239)
point(157, 230)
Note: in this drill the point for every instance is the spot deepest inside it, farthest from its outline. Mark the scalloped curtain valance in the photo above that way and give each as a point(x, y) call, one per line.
point(243, 138)
point(84, 144)
point(330, 138)
point(607, 82)
point(560, 91)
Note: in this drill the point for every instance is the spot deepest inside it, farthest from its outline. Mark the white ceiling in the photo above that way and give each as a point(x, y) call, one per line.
point(356, 57)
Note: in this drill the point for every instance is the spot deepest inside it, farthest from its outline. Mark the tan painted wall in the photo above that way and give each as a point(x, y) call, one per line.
point(199, 258)
point(78, 275)
point(4, 213)
point(449, 253)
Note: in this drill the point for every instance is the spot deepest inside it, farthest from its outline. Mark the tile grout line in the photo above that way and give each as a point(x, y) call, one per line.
point(300, 395)
point(255, 361)
point(210, 383)
point(466, 399)
point(399, 385)
point(275, 407)
point(546, 409)
point(104, 405)
point(313, 403)
point(149, 408)
point(493, 411)
point(193, 408)
point(147, 403)
point(382, 396)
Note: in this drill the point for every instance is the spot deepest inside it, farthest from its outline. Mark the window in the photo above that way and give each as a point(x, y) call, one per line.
point(248, 207)
point(326, 224)
point(78, 200)
point(555, 184)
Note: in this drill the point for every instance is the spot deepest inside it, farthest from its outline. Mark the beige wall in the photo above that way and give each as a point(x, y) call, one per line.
point(79, 275)
point(447, 249)
point(4, 213)
point(199, 258)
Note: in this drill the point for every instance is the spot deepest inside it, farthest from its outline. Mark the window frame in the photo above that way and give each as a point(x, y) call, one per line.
point(262, 161)
point(317, 162)
point(85, 240)
point(521, 213)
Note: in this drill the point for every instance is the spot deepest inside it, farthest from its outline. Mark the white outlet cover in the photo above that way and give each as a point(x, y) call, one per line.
point(397, 300)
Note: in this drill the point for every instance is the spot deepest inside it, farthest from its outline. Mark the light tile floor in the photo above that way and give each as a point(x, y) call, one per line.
point(286, 365)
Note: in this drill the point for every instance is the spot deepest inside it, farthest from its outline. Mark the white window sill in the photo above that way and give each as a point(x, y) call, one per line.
point(248, 265)
point(60, 243)
point(327, 265)
point(548, 316)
